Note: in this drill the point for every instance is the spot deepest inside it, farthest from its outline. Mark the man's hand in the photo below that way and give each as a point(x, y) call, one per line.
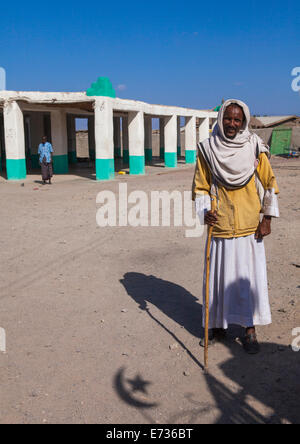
point(264, 228)
point(211, 218)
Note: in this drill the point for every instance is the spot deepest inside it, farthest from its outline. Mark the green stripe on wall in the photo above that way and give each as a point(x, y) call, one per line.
point(171, 160)
point(190, 156)
point(35, 161)
point(126, 156)
point(61, 164)
point(72, 156)
point(16, 169)
point(148, 154)
point(118, 153)
point(105, 169)
point(137, 164)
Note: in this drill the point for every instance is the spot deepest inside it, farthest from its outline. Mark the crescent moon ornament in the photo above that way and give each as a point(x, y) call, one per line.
point(138, 384)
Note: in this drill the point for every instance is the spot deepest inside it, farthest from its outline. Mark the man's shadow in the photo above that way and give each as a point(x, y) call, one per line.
point(173, 300)
point(272, 377)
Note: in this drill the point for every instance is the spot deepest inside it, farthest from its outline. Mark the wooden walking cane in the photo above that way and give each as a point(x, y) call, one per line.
point(209, 236)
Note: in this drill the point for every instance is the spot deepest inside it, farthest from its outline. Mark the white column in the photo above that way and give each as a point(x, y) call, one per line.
point(171, 141)
point(59, 138)
point(204, 129)
point(14, 141)
point(148, 138)
point(178, 137)
point(136, 134)
point(190, 139)
point(104, 138)
point(117, 137)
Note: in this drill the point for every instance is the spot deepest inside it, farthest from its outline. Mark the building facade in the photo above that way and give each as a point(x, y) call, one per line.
point(117, 129)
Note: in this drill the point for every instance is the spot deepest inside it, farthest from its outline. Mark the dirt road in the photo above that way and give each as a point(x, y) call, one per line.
point(103, 324)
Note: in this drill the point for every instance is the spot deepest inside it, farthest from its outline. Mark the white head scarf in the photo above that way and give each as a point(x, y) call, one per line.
point(232, 162)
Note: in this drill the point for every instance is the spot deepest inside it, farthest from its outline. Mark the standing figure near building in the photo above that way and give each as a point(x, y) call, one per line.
point(45, 152)
point(233, 166)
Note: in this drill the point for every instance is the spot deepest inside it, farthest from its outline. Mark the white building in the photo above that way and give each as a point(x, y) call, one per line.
point(26, 116)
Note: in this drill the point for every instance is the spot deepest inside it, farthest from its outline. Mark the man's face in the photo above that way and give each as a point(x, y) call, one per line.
point(44, 140)
point(233, 121)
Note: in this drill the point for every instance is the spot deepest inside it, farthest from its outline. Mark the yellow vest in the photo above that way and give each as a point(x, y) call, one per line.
point(239, 210)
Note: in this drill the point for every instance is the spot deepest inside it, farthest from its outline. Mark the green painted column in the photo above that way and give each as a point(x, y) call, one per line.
point(171, 141)
point(137, 165)
point(104, 138)
point(171, 160)
point(190, 156)
point(105, 169)
point(190, 140)
point(16, 169)
point(59, 135)
point(136, 134)
point(14, 141)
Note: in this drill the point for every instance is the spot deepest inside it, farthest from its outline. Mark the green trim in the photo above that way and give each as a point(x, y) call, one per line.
point(190, 156)
point(137, 165)
point(126, 156)
point(148, 154)
point(16, 169)
point(35, 161)
point(61, 164)
point(118, 153)
point(179, 151)
point(105, 169)
point(171, 160)
point(162, 152)
point(72, 157)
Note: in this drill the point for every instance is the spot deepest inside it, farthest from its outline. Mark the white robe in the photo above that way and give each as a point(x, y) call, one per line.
point(238, 284)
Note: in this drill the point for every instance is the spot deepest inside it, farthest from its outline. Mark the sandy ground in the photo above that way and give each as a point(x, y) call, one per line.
point(103, 324)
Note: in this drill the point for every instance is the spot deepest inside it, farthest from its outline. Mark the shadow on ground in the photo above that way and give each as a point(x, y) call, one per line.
point(255, 389)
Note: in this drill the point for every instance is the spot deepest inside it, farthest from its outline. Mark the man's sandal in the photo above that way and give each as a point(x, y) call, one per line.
point(250, 344)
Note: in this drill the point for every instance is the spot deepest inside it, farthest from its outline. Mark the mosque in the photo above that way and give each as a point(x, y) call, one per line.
point(117, 129)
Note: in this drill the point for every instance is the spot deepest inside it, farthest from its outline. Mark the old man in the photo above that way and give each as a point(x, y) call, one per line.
point(233, 165)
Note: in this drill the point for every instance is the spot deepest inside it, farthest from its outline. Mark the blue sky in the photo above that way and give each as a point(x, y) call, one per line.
point(189, 53)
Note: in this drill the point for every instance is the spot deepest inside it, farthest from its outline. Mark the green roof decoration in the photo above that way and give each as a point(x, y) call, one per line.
point(102, 87)
point(217, 108)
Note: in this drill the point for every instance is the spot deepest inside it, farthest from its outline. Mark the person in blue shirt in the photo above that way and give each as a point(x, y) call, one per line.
point(45, 152)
